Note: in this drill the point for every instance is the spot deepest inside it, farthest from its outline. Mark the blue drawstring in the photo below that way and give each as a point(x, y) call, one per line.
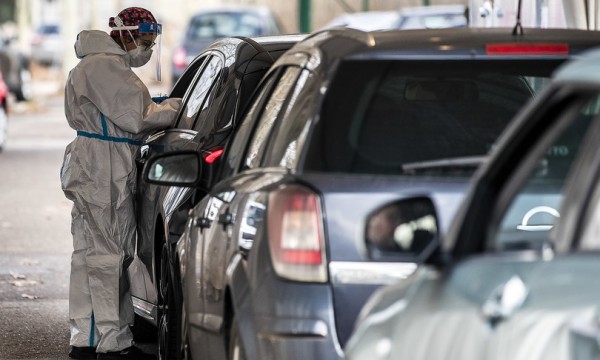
point(92, 331)
point(105, 136)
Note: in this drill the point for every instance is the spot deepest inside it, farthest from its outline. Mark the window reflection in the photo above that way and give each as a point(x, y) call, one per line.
point(197, 97)
point(270, 114)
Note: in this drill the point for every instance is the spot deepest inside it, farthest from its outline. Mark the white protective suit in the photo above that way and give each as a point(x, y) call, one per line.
point(112, 111)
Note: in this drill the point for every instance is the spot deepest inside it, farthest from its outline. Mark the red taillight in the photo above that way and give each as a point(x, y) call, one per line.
point(295, 228)
point(179, 58)
point(526, 49)
point(212, 156)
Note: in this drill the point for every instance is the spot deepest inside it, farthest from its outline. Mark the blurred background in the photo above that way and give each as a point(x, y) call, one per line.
point(37, 36)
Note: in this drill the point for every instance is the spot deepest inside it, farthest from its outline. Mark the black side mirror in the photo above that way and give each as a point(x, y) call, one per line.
point(180, 168)
point(404, 230)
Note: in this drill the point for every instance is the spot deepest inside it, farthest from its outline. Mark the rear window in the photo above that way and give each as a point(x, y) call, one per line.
point(419, 117)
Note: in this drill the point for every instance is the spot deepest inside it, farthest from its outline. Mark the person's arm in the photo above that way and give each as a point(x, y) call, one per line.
point(122, 97)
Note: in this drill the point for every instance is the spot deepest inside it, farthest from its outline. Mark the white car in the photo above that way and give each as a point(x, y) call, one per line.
point(366, 20)
point(47, 45)
point(432, 17)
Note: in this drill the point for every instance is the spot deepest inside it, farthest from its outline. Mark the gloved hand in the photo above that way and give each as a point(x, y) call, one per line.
point(159, 99)
point(174, 103)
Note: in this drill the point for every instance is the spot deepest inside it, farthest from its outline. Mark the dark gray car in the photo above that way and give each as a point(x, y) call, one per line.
point(517, 277)
point(273, 262)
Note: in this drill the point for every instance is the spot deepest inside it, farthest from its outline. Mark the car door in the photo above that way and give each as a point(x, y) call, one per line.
point(227, 219)
point(149, 197)
point(520, 287)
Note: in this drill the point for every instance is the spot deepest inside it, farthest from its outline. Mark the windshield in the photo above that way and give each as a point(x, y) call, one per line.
point(419, 117)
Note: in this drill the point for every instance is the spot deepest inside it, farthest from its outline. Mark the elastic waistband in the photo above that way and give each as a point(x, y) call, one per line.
point(109, 138)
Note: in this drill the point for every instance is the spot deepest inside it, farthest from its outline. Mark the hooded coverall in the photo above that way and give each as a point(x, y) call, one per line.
point(112, 111)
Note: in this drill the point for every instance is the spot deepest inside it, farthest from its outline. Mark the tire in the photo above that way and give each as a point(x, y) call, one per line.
point(169, 308)
point(235, 349)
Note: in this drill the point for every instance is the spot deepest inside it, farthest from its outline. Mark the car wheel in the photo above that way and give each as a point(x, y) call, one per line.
point(169, 307)
point(3, 127)
point(236, 350)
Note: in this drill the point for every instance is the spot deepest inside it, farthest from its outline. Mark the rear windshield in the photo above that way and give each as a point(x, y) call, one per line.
point(419, 118)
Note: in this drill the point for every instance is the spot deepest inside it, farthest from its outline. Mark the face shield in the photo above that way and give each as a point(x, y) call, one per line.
point(149, 38)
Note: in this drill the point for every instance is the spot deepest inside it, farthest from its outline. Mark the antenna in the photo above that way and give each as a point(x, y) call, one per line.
point(518, 28)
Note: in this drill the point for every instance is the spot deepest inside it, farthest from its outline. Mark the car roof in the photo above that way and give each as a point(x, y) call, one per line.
point(269, 43)
point(450, 42)
point(279, 39)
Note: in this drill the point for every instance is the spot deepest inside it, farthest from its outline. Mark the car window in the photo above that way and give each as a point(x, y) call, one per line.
point(291, 133)
point(235, 150)
point(270, 114)
point(197, 103)
point(220, 25)
point(419, 117)
point(182, 85)
point(531, 215)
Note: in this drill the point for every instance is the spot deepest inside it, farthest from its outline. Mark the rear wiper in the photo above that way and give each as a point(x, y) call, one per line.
point(468, 162)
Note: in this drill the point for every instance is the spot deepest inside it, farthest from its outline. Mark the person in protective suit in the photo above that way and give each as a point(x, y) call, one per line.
point(112, 111)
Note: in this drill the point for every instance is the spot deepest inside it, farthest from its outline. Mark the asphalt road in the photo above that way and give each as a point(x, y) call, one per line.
point(35, 238)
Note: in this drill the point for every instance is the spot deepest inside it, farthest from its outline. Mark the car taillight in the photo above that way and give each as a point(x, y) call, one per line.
point(527, 49)
point(296, 236)
point(179, 58)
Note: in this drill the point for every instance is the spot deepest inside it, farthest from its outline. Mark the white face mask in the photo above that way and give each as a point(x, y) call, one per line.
point(139, 56)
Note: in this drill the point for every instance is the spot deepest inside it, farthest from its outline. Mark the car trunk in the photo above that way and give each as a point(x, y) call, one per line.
point(347, 202)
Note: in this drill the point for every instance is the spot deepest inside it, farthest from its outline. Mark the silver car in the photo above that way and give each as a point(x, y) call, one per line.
point(517, 276)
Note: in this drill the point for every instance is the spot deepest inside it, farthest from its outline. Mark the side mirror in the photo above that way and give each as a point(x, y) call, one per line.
point(404, 230)
point(173, 169)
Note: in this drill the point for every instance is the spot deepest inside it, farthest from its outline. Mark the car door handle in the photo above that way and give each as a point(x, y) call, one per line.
point(505, 300)
point(202, 222)
point(226, 219)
